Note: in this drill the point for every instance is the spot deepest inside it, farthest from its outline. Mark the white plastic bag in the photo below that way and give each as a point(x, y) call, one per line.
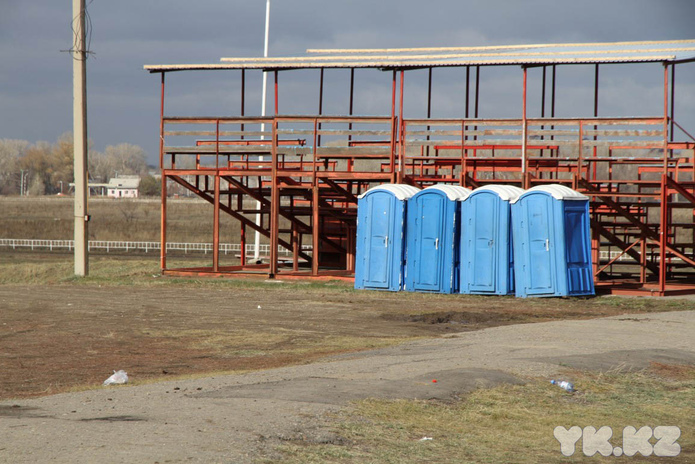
point(118, 378)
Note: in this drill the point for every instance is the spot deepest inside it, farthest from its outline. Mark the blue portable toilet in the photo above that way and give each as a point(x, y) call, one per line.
point(432, 250)
point(487, 258)
point(380, 244)
point(552, 246)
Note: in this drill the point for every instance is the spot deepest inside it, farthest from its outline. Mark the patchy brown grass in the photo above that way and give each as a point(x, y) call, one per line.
point(58, 332)
point(672, 371)
point(509, 423)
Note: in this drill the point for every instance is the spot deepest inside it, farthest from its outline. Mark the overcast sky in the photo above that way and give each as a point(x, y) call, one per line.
point(36, 77)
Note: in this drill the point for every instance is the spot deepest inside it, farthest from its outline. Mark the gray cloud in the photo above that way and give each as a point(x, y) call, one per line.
point(35, 79)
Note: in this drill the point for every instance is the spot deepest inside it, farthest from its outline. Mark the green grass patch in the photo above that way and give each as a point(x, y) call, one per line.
point(511, 423)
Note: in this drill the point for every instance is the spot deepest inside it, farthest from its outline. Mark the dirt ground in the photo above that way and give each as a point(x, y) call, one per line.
point(64, 337)
point(243, 418)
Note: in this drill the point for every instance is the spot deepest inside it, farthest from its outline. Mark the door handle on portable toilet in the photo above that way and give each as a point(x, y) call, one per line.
point(436, 243)
point(547, 244)
point(386, 241)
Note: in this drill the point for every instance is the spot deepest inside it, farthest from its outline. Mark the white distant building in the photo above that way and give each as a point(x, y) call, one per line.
point(123, 187)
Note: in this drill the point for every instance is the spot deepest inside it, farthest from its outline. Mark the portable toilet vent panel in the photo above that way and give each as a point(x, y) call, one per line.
point(432, 250)
point(380, 246)
point(487, 259)
point(552, 246)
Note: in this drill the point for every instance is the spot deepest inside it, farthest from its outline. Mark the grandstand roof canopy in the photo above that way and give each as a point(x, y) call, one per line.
point(673, 51)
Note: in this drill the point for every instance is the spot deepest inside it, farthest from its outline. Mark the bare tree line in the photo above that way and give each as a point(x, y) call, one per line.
point(43, 168)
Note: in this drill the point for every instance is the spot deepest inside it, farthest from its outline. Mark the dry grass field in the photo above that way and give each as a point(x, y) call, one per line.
point(51, 218)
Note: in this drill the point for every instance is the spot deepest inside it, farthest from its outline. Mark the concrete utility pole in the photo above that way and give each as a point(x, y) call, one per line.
point(257, 236)
point(79, 108)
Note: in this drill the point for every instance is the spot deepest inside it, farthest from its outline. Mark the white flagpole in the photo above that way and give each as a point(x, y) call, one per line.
point(257, 237)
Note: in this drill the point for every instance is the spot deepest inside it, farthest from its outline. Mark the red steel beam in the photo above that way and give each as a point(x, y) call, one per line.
point(477, 91)
point(274, 202)
point(161, 126)
point(673, 97)
point(394, 130)
point(316, 230)
point(320, 104)
point(524, 177)
point(216, 227)
point(401, 134)
point(665, 119)
point(468, 86)
point(276, 93)
point(163, 225)
point(163, 206)
point(663, 233)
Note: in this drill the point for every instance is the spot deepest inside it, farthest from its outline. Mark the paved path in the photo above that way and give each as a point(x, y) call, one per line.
point(237, 418)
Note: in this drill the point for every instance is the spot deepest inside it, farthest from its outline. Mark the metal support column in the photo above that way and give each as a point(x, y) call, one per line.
point(673, 98)
point(543, 92)
point(274, 204)
point(477, 92)
point(240, 198)
point(394, 129)
point(351, 162)
point(243, 98)
point(524, 179)
point(242, 232)
point(320, 103)
point(429, 105)
point(401, 133)
point(216, 226)
point(276, 92)
point(468, 86)
point(315, 212)
point(352, 96)
point(316, 229)
point(163, 228)
point(663, 233)
point(665, 129)
point(595, 148)
point(163, 218)
point(477, 95)
point(663, 228)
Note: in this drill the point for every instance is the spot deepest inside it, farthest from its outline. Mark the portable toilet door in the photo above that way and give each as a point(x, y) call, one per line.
point(487, 259)
point(380, 244)
point(432, 250)
point(552, 246)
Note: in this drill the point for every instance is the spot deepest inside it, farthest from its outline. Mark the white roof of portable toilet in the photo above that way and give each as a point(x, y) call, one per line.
point(557, 191)
point(400, 191)
point(453, 192)
point(505, 192)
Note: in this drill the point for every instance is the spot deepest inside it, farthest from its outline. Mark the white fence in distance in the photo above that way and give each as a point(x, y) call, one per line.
point(226, 248)
point(124, 246)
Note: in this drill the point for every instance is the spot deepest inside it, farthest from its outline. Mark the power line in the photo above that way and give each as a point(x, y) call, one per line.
point(74, 26)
